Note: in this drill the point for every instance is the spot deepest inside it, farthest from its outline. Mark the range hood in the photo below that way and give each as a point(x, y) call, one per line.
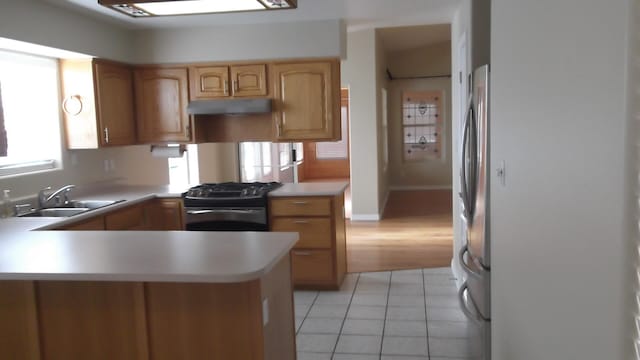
point(229, 106)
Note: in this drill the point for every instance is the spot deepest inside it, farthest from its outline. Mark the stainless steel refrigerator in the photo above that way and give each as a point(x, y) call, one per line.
point(475, 293)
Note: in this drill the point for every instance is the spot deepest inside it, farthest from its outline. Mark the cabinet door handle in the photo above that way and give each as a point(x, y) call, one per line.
point(301, 222)
point(226, 87)
point(235, 86)
point(299, 202)
point(106, 135)
point(301, 253)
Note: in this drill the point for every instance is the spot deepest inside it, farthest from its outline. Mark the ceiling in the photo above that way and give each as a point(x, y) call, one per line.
point(411, 37)
point(356, 13)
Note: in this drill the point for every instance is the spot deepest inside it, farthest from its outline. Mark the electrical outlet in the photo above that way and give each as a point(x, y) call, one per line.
point(106, 165)
point(112, 165)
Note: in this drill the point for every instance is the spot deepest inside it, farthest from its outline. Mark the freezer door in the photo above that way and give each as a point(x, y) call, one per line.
point(478, 231)
point(478, 283)
point(479, 329)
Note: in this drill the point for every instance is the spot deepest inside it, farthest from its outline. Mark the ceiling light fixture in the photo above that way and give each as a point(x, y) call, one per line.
point(146, 8)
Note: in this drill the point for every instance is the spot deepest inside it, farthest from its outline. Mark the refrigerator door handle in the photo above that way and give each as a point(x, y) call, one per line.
point(465, 265)
point(476, 318)
point(464, 194)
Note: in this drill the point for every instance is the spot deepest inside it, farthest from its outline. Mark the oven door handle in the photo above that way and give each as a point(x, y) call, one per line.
point(218, 211)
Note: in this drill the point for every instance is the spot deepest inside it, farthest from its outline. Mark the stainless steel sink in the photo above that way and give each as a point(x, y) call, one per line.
point(55, 212)
point(74, 207)
point(91, 204)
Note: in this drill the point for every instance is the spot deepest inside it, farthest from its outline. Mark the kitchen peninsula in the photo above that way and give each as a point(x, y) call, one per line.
point(155, 294)
point(144, 295)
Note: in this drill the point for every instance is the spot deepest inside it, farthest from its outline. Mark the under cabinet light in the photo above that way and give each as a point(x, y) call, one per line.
point(146, 8)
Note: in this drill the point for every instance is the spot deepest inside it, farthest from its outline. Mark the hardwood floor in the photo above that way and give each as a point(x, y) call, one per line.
point(415, 232)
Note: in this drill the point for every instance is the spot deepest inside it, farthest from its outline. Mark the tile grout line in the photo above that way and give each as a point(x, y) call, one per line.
point(426, 318)
point(344, 319)
point(386, 309)
point(307, 313)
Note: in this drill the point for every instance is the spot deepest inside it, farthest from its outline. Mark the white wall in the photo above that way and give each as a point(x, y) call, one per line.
point(559, 227)
point(359, 75)
point(241, 42)
point(44, 24)
point(633, 176)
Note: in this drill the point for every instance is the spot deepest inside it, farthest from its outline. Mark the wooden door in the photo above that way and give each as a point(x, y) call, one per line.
point(207, 82)
point(162, 95)
point(330, 160)
point(307, 97)
point(249, 80)
point(114, 104)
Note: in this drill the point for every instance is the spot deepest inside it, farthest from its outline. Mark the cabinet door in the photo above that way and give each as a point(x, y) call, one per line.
point(95, 223)
point(164, 214)
point(130, 218)
point(208, 82)
point(162, 96)
point(249, 80)
point(307, 105)
point(114, 104)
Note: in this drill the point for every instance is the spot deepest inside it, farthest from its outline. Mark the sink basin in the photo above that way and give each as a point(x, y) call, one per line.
point(56, 212)
point(91, 204)
point(74, 207)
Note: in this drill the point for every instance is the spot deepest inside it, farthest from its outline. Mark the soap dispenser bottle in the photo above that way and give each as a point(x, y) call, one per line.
point(6, 208)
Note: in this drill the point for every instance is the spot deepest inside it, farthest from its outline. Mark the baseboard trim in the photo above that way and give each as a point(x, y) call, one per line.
point(419, 187)
point(365, 217)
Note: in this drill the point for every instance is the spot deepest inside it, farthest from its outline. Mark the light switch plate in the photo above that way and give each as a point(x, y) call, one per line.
point(265, 312)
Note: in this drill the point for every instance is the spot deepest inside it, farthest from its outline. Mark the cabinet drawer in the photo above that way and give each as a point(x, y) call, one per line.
point(314, 232)
point(301, 206)
point(311, 266)
point(131, 218)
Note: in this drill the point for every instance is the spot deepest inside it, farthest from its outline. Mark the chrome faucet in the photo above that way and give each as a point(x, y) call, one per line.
point(61, 196)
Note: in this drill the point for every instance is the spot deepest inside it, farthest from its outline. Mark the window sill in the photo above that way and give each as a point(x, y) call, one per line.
point(36, 167)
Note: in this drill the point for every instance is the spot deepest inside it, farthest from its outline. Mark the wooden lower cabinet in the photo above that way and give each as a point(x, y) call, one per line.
point(319, 257)
point(156, 214)
point(164, 214)
point(95, 223)
point(77, 320)
point(129, 218)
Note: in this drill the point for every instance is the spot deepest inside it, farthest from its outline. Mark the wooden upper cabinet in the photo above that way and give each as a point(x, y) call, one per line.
point(249, 80)
point(208, 82)
point(307, 101)
point(212, 82)
point(97, 103)
point(162, 96)
point(114, 104)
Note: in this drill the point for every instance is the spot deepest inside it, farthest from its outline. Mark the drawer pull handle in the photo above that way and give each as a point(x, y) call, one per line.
point(302, 253)
point(300, 202)
point(301, 222)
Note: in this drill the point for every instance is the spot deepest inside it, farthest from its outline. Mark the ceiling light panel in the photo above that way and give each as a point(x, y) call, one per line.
point(144, 8)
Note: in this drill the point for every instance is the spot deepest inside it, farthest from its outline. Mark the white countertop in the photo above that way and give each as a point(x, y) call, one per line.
point(310, 189)
point(169, 256)
point(28, 251)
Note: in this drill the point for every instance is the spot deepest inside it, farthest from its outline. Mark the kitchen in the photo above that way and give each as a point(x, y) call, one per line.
point(553, 319)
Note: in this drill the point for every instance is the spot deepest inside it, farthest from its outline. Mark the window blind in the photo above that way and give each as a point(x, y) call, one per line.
point(3, 131)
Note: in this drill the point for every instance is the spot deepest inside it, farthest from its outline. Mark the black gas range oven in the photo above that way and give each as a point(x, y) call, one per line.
point(228, 206)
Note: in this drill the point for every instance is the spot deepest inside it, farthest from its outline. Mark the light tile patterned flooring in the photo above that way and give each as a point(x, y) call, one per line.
point(391, 315)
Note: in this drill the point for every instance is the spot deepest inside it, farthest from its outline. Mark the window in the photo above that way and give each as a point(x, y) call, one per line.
point(184, 170)
point(29, 95)
point(422, 125)
point(265, 161)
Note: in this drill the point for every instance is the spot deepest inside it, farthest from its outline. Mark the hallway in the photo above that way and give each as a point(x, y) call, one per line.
point(415, 232)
